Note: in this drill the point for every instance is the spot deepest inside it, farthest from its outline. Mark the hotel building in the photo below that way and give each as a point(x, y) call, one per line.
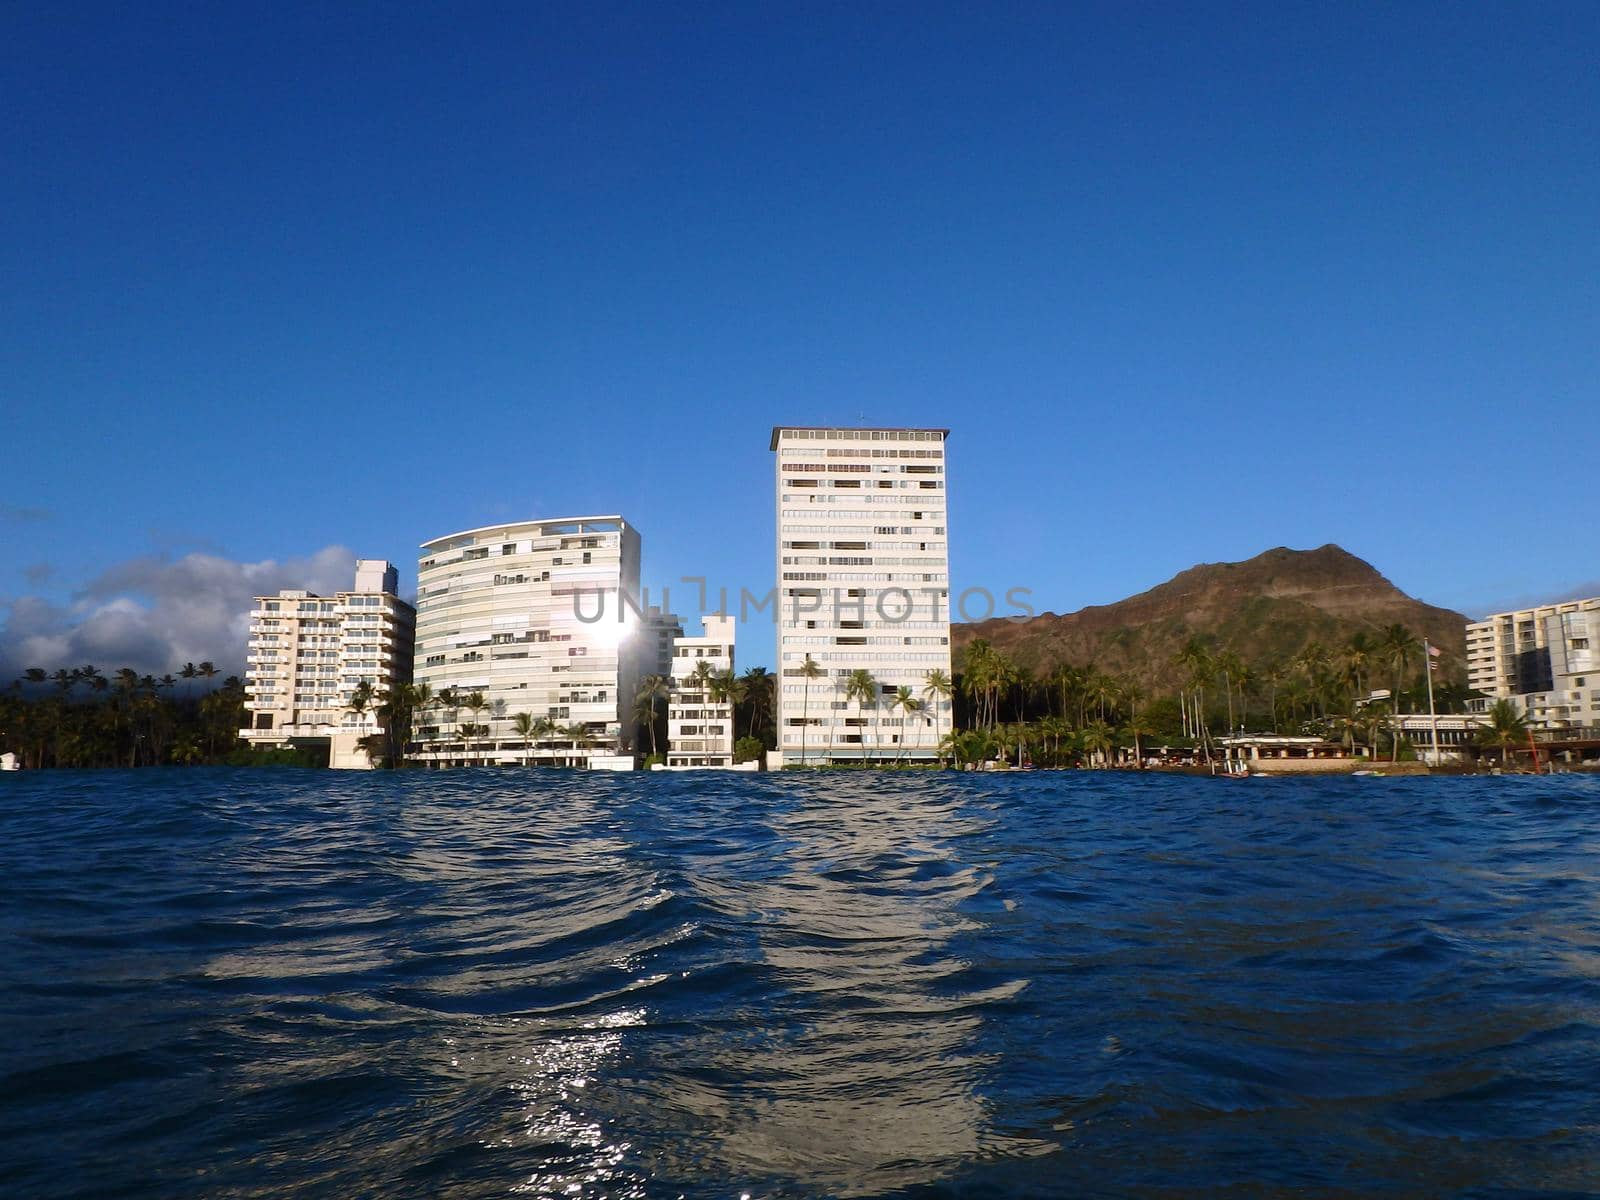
point(699, 728)
point(863, 584)
point(1544, 659)
point(307, 654)
point(542, 618)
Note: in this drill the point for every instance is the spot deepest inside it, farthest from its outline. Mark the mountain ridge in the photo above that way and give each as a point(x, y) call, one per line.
point(1265, 608)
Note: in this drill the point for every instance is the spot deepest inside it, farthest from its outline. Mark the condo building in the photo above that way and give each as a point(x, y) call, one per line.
point(1544, 659)
point(539, 618)
point(308, 654)
point(863, 585)
point(699, 715)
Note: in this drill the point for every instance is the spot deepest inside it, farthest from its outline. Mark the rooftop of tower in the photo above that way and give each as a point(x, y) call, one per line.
point(777, 429)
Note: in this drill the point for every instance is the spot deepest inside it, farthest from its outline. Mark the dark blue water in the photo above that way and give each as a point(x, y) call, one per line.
point(276, 983)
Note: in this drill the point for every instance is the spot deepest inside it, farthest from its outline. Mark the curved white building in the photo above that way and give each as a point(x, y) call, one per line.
point(542, 618)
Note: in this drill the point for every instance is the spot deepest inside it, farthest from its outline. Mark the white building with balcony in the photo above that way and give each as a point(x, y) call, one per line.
point(308, 655)
point(1545, 659)
point(699, 718)
point(863, 585)
point(539, 618)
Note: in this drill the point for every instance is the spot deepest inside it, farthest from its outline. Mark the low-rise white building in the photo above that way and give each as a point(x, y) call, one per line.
point(1546, 660)
point(699, 713)
point(308, 655)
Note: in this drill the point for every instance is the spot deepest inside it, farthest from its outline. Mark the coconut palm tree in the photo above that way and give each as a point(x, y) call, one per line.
point(1136, 728)
point(913, 708)
point(904, 703)
point(360, 700)
point(645, 713)
point(1196, 659)
point(936, 687)
point(1358, 655)
point(1399, 645)
point(863, 689)
point(809, 669)
point(577, 733)
point(1098, 741)
point(652, 690)
point(526, 726)
point(758, 692)
point(1507, 729)
point(475, 703)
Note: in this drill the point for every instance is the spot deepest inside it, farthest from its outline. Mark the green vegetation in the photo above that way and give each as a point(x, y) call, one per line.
point(1078, 715)
point(80, 717)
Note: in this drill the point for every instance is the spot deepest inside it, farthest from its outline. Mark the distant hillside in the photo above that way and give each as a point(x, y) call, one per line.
point(1265, 609)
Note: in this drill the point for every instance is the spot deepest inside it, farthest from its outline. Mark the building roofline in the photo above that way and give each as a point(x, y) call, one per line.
point(617, 517)
point(776, 429)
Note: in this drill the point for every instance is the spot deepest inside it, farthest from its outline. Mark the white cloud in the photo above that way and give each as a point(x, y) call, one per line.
point(156, 613)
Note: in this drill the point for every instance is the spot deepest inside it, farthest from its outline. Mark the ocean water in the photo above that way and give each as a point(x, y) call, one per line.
point(282, 983)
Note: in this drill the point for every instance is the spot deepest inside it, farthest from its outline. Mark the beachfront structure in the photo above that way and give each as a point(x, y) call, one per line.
point(308, 655)
point(863, 586)
point(540, 618)
point(699, 715)
point(1546, 660)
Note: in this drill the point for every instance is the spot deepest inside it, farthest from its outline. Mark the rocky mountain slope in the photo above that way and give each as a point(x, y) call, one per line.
point(1266, 609)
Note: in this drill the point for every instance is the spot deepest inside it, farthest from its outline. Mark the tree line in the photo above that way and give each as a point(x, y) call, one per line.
point(81, 717)
point(1080, 715)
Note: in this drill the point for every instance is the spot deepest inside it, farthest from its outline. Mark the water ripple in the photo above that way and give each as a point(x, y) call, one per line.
point(247, 984)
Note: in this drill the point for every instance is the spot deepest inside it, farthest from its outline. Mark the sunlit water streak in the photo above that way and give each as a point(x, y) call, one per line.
point(270, 983)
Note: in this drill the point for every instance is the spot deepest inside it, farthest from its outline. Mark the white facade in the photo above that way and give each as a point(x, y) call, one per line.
point(1546, 659)
point(307, 655)
point(863, 584)
point(700, 728)
point(539, 617)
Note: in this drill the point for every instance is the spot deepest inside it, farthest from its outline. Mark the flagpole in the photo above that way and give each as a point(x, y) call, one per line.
point(1433, 717)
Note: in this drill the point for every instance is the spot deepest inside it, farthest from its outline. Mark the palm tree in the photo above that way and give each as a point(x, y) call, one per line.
point(809, 670)
point(576, 733)
point(1273, 677)
point(360, 700)
point(701, 677)
point(757, 684)
point(1358, 654)
point(936, 687)
point(1098, 741)
point(1507, 729)
point(904, 703)
point(526, 726)
point(1399, 644)
point(645, 713)
point(1136, 728)
point(1196, 658)
point(652, 690)
point(863, 689)
point(206, 670)
point(475, 703)
point(913, 708)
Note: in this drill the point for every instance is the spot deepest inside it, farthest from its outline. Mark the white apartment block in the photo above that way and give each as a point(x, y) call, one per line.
point(307, 655)
point(863, 584)
point(700, 728)
point(542, 618)
point(1546, 659)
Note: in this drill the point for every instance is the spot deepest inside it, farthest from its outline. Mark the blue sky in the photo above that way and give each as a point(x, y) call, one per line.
point(1185, 283)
